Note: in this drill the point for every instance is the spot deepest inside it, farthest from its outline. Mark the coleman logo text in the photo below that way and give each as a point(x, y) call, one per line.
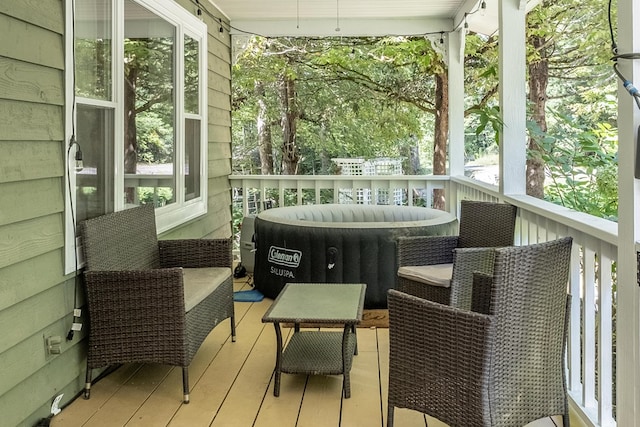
point(284, 256)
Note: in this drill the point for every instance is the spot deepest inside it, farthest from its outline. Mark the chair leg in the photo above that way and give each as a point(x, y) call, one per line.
point(185, 384)
point(390, 416)
point(565, 420)
point(233, 328)
point(87, 383)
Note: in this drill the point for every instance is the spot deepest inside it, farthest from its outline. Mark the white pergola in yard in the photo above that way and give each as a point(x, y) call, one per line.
point(507, 18)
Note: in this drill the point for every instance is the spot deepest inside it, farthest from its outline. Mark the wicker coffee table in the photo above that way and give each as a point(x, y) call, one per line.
point(315, 352)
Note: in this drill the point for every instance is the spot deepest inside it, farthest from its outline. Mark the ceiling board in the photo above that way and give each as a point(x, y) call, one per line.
point(353, 17)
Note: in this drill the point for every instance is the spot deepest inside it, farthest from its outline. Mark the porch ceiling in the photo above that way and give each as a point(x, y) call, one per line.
point(356, 17)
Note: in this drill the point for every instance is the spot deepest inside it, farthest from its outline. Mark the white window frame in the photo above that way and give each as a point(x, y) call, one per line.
point(173, 214)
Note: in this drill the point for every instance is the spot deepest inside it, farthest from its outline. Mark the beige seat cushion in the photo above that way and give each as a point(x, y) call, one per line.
point(200, 282)
point(434, 275)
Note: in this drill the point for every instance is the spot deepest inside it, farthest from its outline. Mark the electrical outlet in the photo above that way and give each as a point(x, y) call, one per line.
point(52, 344)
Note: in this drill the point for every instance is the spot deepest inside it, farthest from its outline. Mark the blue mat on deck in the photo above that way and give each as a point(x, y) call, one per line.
point(253, 295)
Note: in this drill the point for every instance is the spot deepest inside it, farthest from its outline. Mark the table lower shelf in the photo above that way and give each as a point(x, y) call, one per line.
point(317, 353)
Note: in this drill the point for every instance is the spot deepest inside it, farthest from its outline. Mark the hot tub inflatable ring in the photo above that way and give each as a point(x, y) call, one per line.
point(338, 244)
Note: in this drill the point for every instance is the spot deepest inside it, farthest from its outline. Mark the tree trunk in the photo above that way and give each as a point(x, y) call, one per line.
point(290, 154)
point(441, 134)
point(265, 144)
point(130, 130)
point(411, 151)
point(538, 80)
point(414, 160)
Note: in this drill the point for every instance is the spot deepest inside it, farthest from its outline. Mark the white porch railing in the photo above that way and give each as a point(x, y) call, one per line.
point(591, 340)
point(591, 347)
point(251, 191)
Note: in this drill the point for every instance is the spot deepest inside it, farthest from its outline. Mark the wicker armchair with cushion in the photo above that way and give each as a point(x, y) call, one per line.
point(440, 268)
point(148, 300)
point(501, 365)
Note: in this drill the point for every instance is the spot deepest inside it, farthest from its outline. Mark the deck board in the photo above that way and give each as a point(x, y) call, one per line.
point(282, 411)
point(122, 406)
point(80, 411)
point(242, 404)
point(232, 385)
point(208, 395)
point(366, 409)
point(321, 402)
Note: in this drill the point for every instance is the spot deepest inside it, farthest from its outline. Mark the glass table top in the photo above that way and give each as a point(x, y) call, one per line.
point(318, 302)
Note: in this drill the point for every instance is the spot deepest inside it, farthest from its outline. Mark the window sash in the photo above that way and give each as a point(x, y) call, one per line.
point(190, 192)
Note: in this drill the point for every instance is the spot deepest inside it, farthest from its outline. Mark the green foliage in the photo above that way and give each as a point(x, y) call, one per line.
point(488, 117)
point(93, 68)
point(357, 97)
point(148, 66)
point(160, 197)
point(366, 97)
point(191, 75)
point(155, 139)
point(582, 167)
point(579, 146)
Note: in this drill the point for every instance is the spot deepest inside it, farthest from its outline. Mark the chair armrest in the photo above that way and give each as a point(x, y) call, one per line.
point(136, 288)
point(425, 250)
point(482, 293)
point(431, 344)
point(130, 310)
point(466, 262)
point(196, 253)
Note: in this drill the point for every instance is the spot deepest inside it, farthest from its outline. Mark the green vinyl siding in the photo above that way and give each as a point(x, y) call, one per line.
point(22, 200)
point(21, 280)
point(24, 41)
point(23, 121)
point(30, 160)
point(27, 239)
point(38, 13)
point(36, 298)
point(25, 81)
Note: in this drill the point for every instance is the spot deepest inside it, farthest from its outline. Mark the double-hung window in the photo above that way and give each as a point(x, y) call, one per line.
point(136, 106)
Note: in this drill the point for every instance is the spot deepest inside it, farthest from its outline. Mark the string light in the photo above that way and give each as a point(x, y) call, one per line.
point(203, 10)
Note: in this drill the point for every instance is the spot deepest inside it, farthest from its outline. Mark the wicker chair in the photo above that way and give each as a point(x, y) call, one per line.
point(502, 366)
point(437, 268)
point(148, 300)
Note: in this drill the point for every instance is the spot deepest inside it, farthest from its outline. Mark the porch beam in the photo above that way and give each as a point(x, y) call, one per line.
point(341, 27)
point(513, 98)
point(628, 314)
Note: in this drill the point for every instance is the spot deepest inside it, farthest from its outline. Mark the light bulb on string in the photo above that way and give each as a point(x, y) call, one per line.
point(78, 163)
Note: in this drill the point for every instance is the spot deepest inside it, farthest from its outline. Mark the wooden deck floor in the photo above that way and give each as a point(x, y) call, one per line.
point(231, 386)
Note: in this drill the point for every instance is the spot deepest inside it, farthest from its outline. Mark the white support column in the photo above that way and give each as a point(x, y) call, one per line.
point(456, 110)
point(513, 98)
point(456, 102)
point(628, 311)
